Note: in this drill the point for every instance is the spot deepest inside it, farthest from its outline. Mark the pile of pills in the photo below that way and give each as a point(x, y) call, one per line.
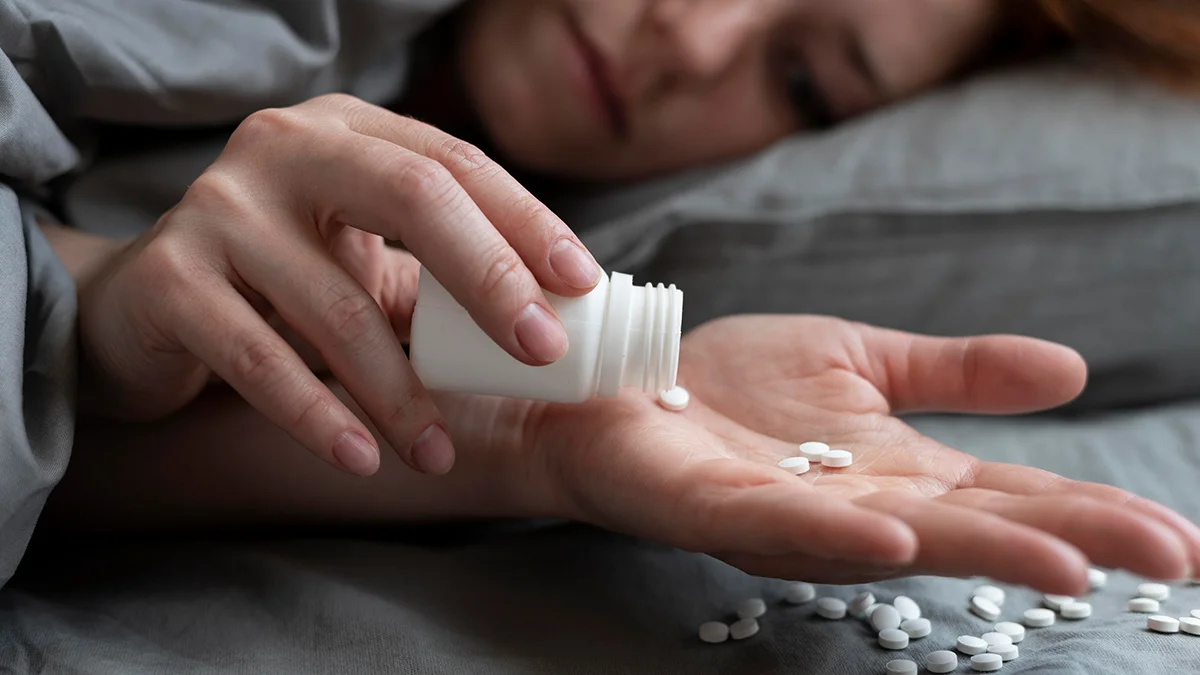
point(815, 452)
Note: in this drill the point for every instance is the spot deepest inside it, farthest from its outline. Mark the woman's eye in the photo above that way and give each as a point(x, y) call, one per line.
point(810, 103)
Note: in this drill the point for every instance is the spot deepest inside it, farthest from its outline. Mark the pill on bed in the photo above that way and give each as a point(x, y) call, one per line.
point(970, 645)
point(1158, 592)
point(995, 639)
point(901, 667)
point(1097, 578)
point(752, 608)
point(1143, 605)
point(1006, 652)
point(1014, 631)
point(1190, 625)
point(796, 465)
point(1076, 610)
point(1196, 613)
point(917, 628)
point(984, 608)
point(714, 632)
point(885, 617)
point(941, 661)
point(1039, 618)
point(893, 638)
point(907, 607)
point(799, 592)
point(858, 606)
point(992, 593)
point(743, 628)
point(675, 400)
point(813, 451)
point(986, 663)
point(831, 608)
point(837, 459)
point(1162, 624)
point(871, 610)
point(1055, 602)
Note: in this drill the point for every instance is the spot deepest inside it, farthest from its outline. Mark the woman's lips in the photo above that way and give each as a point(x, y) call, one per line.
point(600, 83)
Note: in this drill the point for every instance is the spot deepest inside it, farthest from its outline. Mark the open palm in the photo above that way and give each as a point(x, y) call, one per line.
point(706, 479)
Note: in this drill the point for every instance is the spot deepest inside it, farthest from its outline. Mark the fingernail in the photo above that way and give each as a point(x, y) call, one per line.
point(432, 452)
point(573, 265)
point(541, 334)
point(356, 454)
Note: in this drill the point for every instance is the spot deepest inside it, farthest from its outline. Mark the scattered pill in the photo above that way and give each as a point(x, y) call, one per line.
point(885, 617)
point(1143, 605)
point(799, 593)
point(831, 608)
point(871, 610)
point(837, 459)
point(941, 661)
point(858, 606)
point(1005, 652)
point(813, 451)
point(1076, 610)
point(752, 608)
point(907, 607)
point(1055, 602)
point(917, 628)
point(1162, 624)
point(795, 465)
point(714, 632)
point(1097, 578)
point(901, 667)
point(993, 593)
point(675, 400)
point(970, 645)
point(1196, 613)
point(743, 628)
point(1158, 592)
point(1190, 625)
point(984, 608)
point(1039, 618)
point(893, 639)
point(995, 639)
point(1014, 631)
point(986, 663)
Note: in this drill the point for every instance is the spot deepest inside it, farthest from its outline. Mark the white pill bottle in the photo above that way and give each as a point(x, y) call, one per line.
point(620, 336)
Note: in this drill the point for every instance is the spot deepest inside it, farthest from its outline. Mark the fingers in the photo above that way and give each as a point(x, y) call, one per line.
point(993, 374)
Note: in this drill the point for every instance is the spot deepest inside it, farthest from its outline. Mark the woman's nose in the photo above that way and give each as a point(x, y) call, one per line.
point(703, 37)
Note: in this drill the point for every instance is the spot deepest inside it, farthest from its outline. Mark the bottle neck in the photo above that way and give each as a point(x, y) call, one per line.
point(642, 331)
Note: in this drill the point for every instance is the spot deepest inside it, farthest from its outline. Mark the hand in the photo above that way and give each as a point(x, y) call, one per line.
point(291, 221)
point(705, 479)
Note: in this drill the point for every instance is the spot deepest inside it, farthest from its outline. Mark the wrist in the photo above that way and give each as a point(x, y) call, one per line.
point(84, 255)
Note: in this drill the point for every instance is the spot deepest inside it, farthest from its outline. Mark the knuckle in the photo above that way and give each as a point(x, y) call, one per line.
point(409, 412)
point(350, 313)
point(215, 191)
point(338, 101)
point(424, 179)
point(255, 362)
point(269, 124)
point(168, 266)
point(503, 274)
point(465, 157)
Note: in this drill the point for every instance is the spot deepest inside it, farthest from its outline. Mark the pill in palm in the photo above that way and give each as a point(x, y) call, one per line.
point(1005, 652)
point(837, 459)
point(1143, 605)
point(907, 607)
point(941, 661)
point(1162, 624)
point(1055, 602)
point(714, 632)
point(992, 593)
point(995, 639)
point(885, 617)
point(743, 628)
point(1097, 578)
point(796, 465)
point(984, 608)
point(1190, 625)
point(1014, 631)
point(986, 663)
point(970, 645)
point(831, 608)
point(858, 606)
point(901, 667)
point(1158, 592)
point(917, 628)
point(893, 638)
point(813, 451)
point(799, 593)
point(752, 608)
point(1076, 610)
point(675, 400)
point(1039, 617)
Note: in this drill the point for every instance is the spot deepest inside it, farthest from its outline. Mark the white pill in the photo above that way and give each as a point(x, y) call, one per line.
point(984, 608)
point(893, 638)
point(1006, 652)
point(752, 608)
point(1143, 605)
point(885, 617)
point(813, 451)
point(941, 661)
point(1190, 625)
point(1039, 618)
point(860, 603)
point(992, 593)
point(1196, 613)
point(1158, 592)
point(795, 465)
point(1055, 602)
point(907, 607)
point(675, 400)
point(1097, 578)
point(799, 593)
point(970, 645)
point(837, 459)
point(743, 628)
point(1014, 631)
point(714, 632)
point(917, 628)
point(986, 663)
point(901, 667)
point(995, 639)
point(831, 608)
point(871, 610)
point(1076, 610)
point(1162, 624)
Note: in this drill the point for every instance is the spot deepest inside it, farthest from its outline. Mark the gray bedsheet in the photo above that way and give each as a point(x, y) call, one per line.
point(564, 599)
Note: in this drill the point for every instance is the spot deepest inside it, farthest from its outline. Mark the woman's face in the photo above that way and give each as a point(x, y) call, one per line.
point(612, 89)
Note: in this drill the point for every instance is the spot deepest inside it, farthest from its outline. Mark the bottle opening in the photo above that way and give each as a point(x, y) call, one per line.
point(642, 332)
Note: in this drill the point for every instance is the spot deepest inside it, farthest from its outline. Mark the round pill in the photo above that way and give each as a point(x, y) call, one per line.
point(984, 608)
point(993, 593)
point(1076, 610)
point(907, 607)
point(813, 451)
point(871, 610)
point(941, 661)
point(743, 628)
point(1158, 592)
point(986, 663)
point(752, 608)
point(901, 667)
point(795, 465)
point(799, 593)
point(917, 628)
point(1162, 624)
point(893, 638)
point(675, 400)
point(860, 603)
point(1190, 625)
point(1196, 613)
point(885, 617)
point(831, 608)
point(1039, 618)
point(837, 459)
point(1005, 652)
point(995, 639)
point(1097, 578)
point(1055, 602)
point(714, 632)
point(1014, 631)
point(1143, 605)
point(970, 645)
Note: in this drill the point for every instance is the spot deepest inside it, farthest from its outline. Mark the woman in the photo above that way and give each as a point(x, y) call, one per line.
point(288, 226)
